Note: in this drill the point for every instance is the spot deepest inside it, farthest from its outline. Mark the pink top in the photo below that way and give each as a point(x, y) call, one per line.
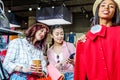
point(67, 50)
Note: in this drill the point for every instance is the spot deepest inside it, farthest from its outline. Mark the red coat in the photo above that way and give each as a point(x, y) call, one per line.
point(99, 57)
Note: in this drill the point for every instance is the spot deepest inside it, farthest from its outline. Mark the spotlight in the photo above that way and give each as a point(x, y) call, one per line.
point(53, 7)
point(38, 8)
point(30, 9)
point(9, 11)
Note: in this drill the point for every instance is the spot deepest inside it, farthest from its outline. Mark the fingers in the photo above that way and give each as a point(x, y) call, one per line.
point(39, 69)
point(36, 69)
point(58, 65)
point(33, 68)
point(82, 38)
point(41, 74)
point(71, 61)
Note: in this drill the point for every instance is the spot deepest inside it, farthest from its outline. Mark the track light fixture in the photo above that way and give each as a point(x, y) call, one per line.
point(59, 15)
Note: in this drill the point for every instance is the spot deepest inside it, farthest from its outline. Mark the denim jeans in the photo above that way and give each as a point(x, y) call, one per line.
point(68, 76)
point(18, 76)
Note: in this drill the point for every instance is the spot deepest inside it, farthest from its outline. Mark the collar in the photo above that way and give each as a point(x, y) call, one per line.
point(101, 33)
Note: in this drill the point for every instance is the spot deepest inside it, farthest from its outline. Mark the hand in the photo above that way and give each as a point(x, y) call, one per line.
point(37, 70)
point(71, 61)
point(34, 68)
point(82, 38)
point(25, 70)
point(58, 66)
point(22, 69)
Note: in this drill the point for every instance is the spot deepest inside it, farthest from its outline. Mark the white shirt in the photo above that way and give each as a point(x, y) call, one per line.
point(60, 57)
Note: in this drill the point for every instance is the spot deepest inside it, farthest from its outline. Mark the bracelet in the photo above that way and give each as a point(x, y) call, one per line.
point(21, 69)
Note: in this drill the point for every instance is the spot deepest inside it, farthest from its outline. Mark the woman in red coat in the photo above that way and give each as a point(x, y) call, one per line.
point(98, 57)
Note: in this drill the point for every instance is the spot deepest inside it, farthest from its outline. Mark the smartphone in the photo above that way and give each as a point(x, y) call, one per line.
point(72, 56)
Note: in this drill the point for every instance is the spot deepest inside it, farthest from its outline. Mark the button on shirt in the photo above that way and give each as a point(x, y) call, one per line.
point(99, 57)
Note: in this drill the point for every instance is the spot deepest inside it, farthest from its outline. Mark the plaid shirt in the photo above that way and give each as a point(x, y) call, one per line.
point(21, 53)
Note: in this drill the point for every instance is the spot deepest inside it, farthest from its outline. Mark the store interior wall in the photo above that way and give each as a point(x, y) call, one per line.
point(80, 24)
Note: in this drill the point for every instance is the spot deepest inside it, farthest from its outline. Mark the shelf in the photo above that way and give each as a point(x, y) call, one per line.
point(4, 31)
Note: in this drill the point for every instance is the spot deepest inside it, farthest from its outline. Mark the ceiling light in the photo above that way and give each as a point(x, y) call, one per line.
point(9, 11)
point(25, 23)
point(53, 7)
point(38, 8)
point(30, 9)
point(60, 15)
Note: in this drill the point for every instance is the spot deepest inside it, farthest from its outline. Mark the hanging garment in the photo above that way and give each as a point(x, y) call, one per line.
point(4, 23)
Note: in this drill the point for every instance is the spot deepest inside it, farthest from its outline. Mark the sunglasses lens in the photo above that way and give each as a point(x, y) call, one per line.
point(58, 59)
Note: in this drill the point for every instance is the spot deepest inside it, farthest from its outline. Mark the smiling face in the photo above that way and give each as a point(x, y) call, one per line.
point(107, 9)
point(58, 35)
point(40, 34)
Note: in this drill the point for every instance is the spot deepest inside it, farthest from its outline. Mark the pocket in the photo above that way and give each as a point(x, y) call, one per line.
point(18, 77)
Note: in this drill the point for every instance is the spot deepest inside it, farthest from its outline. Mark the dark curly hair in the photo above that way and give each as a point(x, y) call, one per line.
point(115, 19)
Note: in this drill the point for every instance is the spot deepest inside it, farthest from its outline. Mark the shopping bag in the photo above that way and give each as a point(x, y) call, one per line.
point(2, 54)
point(36, 77)
point(46, 78)
point(54, 73)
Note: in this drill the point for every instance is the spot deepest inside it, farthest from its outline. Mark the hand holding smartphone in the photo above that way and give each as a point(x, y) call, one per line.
point(72, 56)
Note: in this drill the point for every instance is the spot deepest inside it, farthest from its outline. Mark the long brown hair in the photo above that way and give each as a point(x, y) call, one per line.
point(30, 35)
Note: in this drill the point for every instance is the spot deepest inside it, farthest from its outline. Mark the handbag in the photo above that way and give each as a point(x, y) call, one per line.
point(4, 23)
point(54, 73)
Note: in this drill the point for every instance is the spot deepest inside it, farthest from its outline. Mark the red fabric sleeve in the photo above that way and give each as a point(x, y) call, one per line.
point(79, 70)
